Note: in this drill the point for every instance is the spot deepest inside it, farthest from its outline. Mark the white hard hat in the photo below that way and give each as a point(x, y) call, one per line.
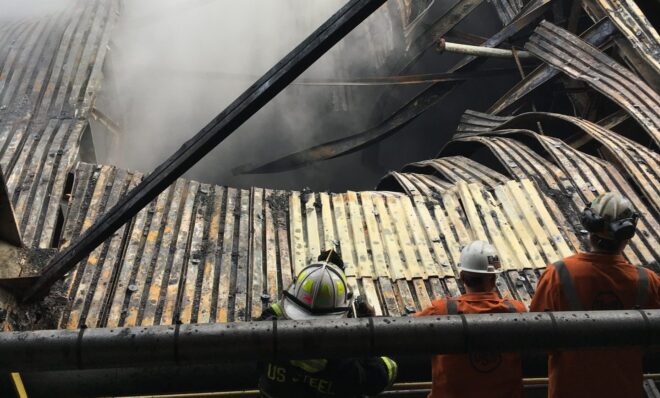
point(320, 291)
point(479, 257)
point(610, 216)
point(612, 206)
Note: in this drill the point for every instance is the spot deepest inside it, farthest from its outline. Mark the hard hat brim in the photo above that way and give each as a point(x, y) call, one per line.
point(297, 313)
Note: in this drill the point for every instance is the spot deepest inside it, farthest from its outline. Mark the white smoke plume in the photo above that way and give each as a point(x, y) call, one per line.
point(175, 64)
point(12, 10)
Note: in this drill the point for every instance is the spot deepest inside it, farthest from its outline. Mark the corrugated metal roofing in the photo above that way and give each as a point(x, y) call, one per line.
point(640, 163)
point(596, 35)
point(414, 184)
point(507, 9)
point(581, 61)
point(458, 168)
point(50, 71)
point(203, 253)
point(569, 173)
point(632, 23)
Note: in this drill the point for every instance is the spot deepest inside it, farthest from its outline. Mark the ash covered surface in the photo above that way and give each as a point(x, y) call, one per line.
point(278, 202)
point(44, 313)
point(40, 315)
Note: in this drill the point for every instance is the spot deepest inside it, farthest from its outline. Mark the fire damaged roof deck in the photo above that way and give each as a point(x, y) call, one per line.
point(517, 176)
point(204, 253)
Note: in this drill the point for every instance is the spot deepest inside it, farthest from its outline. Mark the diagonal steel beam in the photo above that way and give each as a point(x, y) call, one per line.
point(419, 104)
point(253, 99)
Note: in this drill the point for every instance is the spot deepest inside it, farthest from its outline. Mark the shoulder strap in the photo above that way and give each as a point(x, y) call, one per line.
point(511, 308)
point(452, 307)
point(642, 287)
point(567, 286)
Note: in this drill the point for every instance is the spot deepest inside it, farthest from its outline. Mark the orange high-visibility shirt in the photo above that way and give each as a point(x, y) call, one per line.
point(476, 375)
point(599, 282)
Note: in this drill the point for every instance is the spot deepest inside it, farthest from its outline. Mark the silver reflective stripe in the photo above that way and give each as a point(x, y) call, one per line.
point(642, 287)
point(512, 308)
point(567, 286)
point(452, 307)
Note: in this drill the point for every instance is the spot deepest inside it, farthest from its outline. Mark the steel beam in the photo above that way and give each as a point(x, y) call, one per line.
point(419, 104)
point(215, 343)
point(253, 99)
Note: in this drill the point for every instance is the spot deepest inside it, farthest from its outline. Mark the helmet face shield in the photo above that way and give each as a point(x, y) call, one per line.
point(320, 290)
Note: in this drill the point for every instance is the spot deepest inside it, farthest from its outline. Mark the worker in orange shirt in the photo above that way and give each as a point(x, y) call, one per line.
point(600, 279)
point(482, 375)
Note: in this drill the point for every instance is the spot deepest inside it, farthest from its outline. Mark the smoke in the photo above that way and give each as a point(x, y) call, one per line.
point(175, 64)
point(20, 9)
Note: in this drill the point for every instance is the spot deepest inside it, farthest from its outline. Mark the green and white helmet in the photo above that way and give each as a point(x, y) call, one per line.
point(320, 291)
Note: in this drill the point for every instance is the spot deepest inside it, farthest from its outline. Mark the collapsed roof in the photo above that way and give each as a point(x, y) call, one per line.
point(516, 176)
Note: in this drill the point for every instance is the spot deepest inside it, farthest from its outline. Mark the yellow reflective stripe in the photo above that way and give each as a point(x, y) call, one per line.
point(18, 385)
point(392, 369)
point(277, 309)
point(310, 365)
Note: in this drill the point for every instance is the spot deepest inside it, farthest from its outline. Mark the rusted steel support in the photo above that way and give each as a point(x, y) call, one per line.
point(253, 99)
point(445, 46)
point(214, 343)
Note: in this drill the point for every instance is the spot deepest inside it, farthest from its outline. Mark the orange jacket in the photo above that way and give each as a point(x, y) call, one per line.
point(476, 375)
point(596, 282)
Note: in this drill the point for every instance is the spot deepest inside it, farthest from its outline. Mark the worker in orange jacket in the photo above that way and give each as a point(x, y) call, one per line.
point(600, 279)
point(482, 375)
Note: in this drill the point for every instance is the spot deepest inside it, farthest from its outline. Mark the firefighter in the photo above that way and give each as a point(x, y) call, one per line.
point(600, 279)
point(320, 291)
point(476, 374)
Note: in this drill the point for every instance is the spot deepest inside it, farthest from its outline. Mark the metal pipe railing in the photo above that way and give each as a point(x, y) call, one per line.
point(215, 343)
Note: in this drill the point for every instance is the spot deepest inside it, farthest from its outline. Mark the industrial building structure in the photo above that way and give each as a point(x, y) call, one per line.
point(517, 175)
